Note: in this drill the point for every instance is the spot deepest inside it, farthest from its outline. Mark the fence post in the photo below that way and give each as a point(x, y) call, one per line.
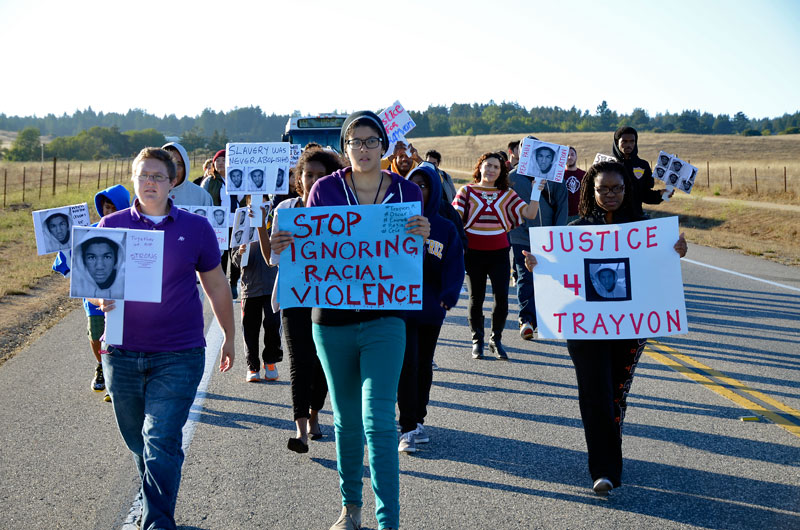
point(23, 183)
point(115, 170)
point(730, 174)
point(708, 176)
point(99, 169)
point(784, 179)
point(80, 174)
point(54, 176)
point(41, 177)
point(67, 177)
point(5, 181)
point(107, 166)
point(755, 176)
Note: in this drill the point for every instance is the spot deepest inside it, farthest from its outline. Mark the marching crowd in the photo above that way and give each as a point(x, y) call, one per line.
point(369, 361)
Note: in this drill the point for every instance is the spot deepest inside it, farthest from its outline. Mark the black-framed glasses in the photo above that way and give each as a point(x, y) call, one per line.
point(616, 190)
point(155, 178)
point(355, 143)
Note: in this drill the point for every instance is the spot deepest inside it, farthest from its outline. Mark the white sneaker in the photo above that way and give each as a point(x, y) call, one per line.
point(252, 377)
point(526, 331)
point(270, 372)
point(407, 443)
point(420, 436)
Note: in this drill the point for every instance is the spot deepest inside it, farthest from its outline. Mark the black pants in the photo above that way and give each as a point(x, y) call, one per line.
point(309, 387)
point(494, 264)
point(257, 311)
point(604, 369)
point(414, 388)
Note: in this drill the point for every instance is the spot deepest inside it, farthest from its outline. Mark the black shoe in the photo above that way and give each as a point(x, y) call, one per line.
point(99, 382)
point(477, 350)
point(297, 445)
point(496, 347)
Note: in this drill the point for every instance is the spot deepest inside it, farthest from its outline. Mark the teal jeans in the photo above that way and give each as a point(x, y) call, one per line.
point(362, 364)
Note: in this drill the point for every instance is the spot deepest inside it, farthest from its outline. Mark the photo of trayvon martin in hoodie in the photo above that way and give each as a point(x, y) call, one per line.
point(442, 278)
point(626, 150)
point(185, 192)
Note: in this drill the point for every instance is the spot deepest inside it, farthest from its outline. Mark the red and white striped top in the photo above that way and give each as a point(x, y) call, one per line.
point(488, 213)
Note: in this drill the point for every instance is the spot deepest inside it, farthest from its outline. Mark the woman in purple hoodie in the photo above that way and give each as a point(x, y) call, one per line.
point(362, 351)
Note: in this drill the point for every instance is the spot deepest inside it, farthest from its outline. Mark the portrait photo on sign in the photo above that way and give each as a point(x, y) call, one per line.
point(663, 160)
point(542, 159)
point(256, 181)
point(200, 211)
point(607, 279)
point(98, 264)
point(218, 216)
point(659, 172)
point(673, 178)
point(235, 179)
point(53, 227)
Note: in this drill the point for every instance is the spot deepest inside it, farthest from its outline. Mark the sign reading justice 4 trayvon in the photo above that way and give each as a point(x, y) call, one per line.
point(609, 281)
point(351, 257)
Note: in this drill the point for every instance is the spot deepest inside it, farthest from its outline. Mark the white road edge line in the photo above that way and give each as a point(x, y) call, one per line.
point(213, 344)
point(741, 274)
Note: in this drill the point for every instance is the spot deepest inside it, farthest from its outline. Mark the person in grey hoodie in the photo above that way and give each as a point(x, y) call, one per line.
point(553, 209)
point(185, 192)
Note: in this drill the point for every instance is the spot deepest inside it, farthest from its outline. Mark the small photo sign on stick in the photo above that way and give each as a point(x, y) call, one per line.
point(243, 231)
point(397, 122)
point(257, 168)
point(117, 264)
point(53, 227)
point(675, 173)
point(542, 160)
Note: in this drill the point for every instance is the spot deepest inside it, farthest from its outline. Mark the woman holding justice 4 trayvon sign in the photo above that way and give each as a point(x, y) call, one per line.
point(604, 368)
point(362, 351)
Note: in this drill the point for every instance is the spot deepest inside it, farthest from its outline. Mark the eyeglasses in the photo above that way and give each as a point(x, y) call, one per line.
point(154, 178)
point(355, 143)
point(616, 190)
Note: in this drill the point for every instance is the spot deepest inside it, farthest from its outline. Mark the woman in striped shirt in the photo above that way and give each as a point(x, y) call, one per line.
point(489, 209)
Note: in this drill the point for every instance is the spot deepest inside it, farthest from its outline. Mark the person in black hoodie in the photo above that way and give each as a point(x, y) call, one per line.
point(626, 150)
point(604, 368)
point(443, 273)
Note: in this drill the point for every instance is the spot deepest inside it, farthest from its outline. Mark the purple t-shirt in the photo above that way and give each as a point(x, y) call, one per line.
point(190, 246)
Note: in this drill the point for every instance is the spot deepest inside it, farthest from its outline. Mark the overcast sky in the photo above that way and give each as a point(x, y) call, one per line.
point(179, 57)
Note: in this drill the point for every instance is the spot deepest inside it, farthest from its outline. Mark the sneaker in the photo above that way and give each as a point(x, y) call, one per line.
point(420, 436)
point(434, 366)
point(99, 382)
point(407, 443)
point(602, 486)
point(526, 331)
point(350, 518)
point(252, 377)
point(270, 372)
point(107, 398)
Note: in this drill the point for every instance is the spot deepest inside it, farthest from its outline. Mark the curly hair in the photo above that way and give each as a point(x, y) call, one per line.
point(586, 201)
point(502, 180)
point(327, 158)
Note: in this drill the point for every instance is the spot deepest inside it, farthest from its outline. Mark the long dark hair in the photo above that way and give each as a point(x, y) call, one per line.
point(502, 181)
point(329, 159)
point(587, 204)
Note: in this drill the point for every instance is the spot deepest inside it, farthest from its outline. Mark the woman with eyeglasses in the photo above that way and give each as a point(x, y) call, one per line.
point(362, 351)
point(604, 368)
point(489, 209)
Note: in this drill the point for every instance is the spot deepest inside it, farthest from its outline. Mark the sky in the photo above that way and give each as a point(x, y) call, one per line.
point(180, 57)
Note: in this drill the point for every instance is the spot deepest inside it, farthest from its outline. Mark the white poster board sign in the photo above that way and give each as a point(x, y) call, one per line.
point(217, 217)
point(53, 227)
point(295, 150)
point(675, 173)
point(243, 232)
point(397, 122)
point(117, 264)
point(596, 282)
point(542, 160)
point(257, 168)
point(600, 157)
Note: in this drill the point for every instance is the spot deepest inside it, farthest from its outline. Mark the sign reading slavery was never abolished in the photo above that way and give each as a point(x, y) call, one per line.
point(257, 168)
point(608, 281)
point(351, 257)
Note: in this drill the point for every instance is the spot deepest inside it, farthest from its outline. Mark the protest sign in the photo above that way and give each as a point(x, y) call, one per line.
point(53, 227)
point(542, 160)
point(351, 257)
point(243, 231)
point(257, 168)
point(117, 264)
point(600, 157)
point(295, 151)
point(217, 217)
point(597, 282)
point(675, 173)
point(397, 122)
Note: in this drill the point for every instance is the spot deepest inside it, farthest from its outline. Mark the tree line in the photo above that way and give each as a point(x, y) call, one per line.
point(89, 135)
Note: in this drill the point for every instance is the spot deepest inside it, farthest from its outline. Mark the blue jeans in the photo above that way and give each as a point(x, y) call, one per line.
point(362, 364)
point(152, 394)
point(527, 306)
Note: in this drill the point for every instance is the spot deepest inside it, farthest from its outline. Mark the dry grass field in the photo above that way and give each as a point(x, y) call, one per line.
point(730, 158)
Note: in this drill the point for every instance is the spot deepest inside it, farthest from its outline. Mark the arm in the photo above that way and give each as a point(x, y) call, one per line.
point(218, 291)
point(263, 237)
point(532, 208)
point(452, 271)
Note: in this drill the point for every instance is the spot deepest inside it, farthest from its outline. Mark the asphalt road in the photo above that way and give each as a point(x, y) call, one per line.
point(507, 447)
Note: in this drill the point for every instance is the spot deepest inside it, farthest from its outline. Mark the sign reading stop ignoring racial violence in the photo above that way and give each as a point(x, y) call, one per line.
point(351, 257)
point(608, 281)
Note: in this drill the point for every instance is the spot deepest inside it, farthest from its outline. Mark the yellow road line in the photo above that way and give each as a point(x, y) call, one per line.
point(722, 385)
